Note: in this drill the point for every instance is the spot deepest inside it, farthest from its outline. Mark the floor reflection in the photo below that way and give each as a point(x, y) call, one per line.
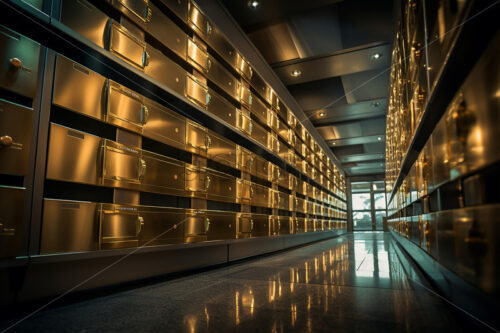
point(355, 282)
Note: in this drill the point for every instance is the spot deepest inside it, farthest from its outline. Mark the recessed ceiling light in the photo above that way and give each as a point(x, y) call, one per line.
point(379, 138)
point(254, 4)
point(376, 56)
point(296, 72)
point(376, 104)
point(333, 143)
point(321, 114)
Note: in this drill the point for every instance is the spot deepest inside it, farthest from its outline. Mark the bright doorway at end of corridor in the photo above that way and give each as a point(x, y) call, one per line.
point(368, 205)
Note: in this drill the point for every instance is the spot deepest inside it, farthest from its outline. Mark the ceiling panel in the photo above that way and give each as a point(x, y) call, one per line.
point(278, 35)
point(366, 85)
point(339, 63)
point(348, 112)
point(315, 95)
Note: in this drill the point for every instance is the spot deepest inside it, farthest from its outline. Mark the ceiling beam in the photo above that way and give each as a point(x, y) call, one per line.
point(356, 140)
point(344, 62)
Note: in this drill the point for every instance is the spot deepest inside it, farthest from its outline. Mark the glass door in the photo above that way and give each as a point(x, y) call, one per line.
point(368, 205)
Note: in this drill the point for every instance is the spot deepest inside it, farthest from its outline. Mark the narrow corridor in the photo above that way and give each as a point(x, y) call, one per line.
point(356, 282)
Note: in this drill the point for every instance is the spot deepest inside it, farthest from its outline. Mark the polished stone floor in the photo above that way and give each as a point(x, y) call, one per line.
point(356, 282)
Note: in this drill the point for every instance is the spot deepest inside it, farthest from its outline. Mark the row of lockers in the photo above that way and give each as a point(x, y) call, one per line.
point(98, 226)
point(463, 142)
point(76, 156)
point(129, 43)
point(425, 36)
point(463, 240)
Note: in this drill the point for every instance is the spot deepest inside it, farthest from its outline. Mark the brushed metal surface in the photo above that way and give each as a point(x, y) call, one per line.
point(15, 127)
point(216, 72)
point(165, 71)
point(19, 58)
point(71, 77)
point(86, 20)
point(12, 212)
point(220, 107)
point(74, 155)
point(128, 46)
point(220, 186)
point(260, 86)
point(69, 226)
point(120, 226)
point(260, 134)
point(261, 196)
point(259, 109)
point(178, 7)
point(222, 225)
point(221, 150)
point(196, 138)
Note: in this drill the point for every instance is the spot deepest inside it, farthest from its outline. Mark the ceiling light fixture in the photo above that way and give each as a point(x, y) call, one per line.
point(321, 114)
point(296, 72)
point(254, 4)
point(376, 56)
point(379, 138)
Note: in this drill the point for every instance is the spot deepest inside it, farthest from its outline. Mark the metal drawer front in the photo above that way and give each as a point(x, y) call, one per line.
point(245, 225)
point(300, 225)
point(244, 191)
point(260, 134)
point(260, 86)
point(196, 139)
point(161, 174)
point(302, 187)
point(197, 55)
point(221, 186)
point(220, 76)
point(197, 91)
point(221, 150)
point(301, 205)
point(245, 68)
point(259, 109)
point(273, 142)
point(222, 225)
point(284, 178)
point(86, 20)
point(19, 58)
point(263, 168)
point(246, 97)
point(245, 122)
point(197, 181)
point(246, 160)
point(272, 121)
point(260, 196)
point(11, 220)
point(126, 108)
point(261, 225)
point(220, 107)
point(165, 71)
point(166, 31)
point(72, 77)
point(164, 125)
point(179, 7)
point(214, 38)
point(15, 137)
point(283, 130)
point(309, 225)
point(127, 46)
point(120, 226)
point(73, 156)
point(69, 226)
point(164, 225)
point(137, 10)
point(283, 201)
point(309, 207)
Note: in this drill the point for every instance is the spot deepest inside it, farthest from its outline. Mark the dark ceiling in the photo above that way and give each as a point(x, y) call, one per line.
point(342, 87)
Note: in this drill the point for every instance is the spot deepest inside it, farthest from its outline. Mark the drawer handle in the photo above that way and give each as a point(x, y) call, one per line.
point(209, 29)
point(6, 141)
point(251, 224)
point(149, 15)
point(251, 192)
point(208, 142)
point(142, 168)
point(250, 162)
point(208, 98)
point(145, 58)
point(139, 225)
point(16, 63)
point(207, 183)
point(207, 224)
point(144, 114)
point(209, 64)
